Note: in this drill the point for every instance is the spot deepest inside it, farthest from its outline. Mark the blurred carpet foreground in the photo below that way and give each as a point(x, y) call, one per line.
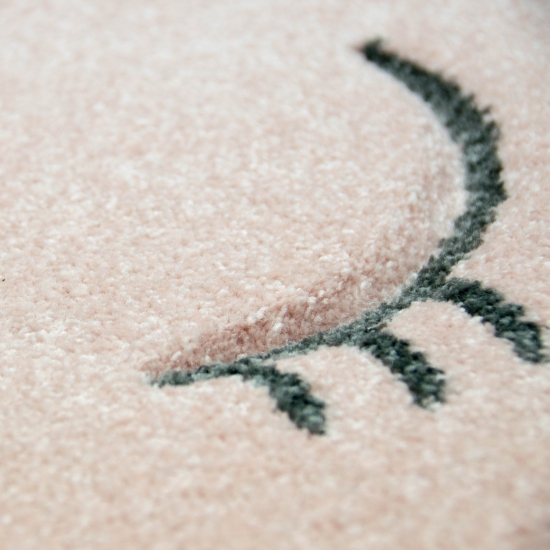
point(186, 186)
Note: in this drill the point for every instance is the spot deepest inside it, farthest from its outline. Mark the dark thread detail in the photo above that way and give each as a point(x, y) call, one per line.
point(505, 318)
point(426, 384)
point(477, 136)
point(290, 392)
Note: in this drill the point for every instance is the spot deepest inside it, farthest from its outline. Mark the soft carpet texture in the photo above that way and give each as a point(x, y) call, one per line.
point(186, 186)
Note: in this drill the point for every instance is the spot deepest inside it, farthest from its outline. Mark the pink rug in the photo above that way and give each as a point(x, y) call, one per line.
point(274, 274)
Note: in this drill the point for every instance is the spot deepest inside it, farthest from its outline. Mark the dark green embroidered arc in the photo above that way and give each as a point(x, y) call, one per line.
point(477, 136)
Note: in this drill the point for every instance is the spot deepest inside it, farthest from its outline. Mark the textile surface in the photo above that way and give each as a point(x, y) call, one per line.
point(188, 185)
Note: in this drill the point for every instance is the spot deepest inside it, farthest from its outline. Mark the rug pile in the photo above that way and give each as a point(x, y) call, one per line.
point(274, 274)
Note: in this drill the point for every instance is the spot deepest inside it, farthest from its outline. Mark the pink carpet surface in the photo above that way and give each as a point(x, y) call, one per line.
point(274, 274)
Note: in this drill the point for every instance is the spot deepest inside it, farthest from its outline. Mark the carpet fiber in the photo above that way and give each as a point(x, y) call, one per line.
point(274, 274)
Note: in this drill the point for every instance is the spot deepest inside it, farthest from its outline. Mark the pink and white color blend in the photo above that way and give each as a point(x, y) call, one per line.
point(184, 182)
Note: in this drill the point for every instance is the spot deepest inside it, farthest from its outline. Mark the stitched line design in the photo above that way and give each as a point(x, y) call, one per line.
point(290, 392)
point(506, 318)
point(477, 136)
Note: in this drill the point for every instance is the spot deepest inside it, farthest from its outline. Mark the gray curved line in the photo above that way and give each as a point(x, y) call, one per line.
point(477, 136)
